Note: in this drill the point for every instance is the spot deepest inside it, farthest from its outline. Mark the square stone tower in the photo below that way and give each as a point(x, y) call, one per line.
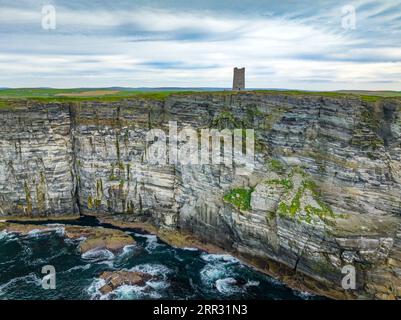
point(239, 79)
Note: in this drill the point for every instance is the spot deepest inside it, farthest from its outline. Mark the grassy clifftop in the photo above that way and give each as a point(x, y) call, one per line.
point(80, 94)
point(110, 94)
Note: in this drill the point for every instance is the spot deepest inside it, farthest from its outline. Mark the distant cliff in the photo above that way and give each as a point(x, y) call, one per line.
point(325, 192)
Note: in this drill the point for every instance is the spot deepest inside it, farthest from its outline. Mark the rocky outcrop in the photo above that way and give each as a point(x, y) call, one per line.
point(324, 192)
point(98, 238)
point(116, 279)
point(90, 238)
point(36, 161)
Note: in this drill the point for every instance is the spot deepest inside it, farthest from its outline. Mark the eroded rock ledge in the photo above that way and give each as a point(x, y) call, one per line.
point(91, 238)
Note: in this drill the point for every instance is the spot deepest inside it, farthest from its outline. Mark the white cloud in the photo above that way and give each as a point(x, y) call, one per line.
point(96, 48)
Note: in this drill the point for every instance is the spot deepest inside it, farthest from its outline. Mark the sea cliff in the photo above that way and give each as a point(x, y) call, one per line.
point(324, 192)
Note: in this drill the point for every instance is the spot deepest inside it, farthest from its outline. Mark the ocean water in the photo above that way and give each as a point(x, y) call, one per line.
point(179, 273)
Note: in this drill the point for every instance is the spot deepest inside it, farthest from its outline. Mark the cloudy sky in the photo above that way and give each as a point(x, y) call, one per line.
point(314, 45)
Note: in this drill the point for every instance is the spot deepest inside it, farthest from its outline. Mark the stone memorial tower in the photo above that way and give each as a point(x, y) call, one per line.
point(239, 79)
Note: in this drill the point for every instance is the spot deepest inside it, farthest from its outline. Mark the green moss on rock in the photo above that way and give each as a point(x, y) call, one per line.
point(286, 183)
point(302, 199)
point(28, 198)
point(5, 106)
point(226, 119)
point(276, 166)
point(240, 198)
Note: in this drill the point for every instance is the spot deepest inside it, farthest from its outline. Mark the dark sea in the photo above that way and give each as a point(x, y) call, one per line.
point(179, 273)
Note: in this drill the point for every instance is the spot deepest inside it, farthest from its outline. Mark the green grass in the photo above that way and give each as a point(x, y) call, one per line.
point(5, 106)
point(54, 95)
point(368, 96)
point(276, 165)
point(240, 198)
point(285, 183)
point(373, 93)
point(292, 208)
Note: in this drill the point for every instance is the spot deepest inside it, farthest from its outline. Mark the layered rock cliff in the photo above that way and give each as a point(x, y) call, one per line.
point(324, 193)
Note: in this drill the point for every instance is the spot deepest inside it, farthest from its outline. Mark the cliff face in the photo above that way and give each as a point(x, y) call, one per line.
point(324, 193)
point(36, 161)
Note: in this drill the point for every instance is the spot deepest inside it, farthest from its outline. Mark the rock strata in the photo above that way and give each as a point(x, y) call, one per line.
point(324, 193)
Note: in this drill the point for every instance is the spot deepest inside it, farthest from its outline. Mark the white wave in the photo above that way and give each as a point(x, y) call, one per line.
point(37, 233)
point(74, 241)
point(37, 262)
point(228, 286)
point(127, 292)
point(216, 268)
point(3, 235)
point(44, 260)
point(29, 278)
point(210, 273)
point(190, 249)
point(252, 283)
point(76, 268)
point(152, 289)
point(218, 273)
point(177, 256)
point(126, 254)
point(159, 271)
point(303, 294)
point(6, 236)
point(225, 258)
point(151, 241)
point(60, 230)
point(98, 255)
point(93, 289)
point(108, 263)
point(152, 269)
point(141, 235)
point(128, 250)
point(158, 285)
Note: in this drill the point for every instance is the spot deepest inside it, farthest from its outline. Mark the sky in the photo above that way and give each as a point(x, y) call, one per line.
point(309, 44)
